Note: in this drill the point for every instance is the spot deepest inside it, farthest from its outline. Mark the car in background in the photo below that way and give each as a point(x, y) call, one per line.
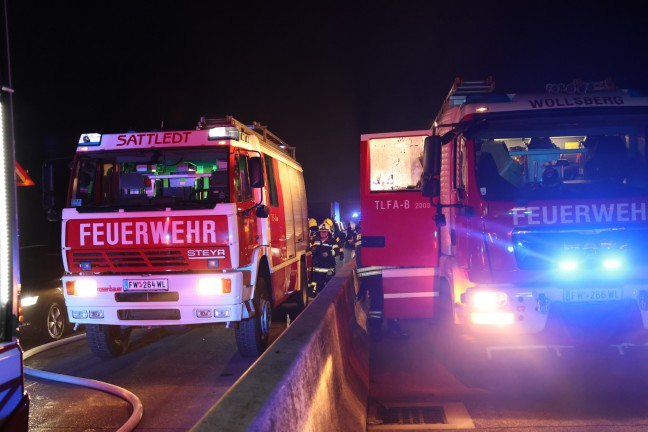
point(43, 305)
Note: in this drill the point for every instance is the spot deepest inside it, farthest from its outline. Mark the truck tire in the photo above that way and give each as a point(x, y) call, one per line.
point(107, 340)
point(253, 334)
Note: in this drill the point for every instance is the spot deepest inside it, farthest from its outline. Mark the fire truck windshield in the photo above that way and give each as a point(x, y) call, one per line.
point(542, 163)
point(184, 178)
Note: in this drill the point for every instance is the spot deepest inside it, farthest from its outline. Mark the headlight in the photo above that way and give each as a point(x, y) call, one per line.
point(214, 286)
point(28, 301)
point(568, 265)
point(488, 299)
point(492, 318)
point(82, 288)
point(612, 263)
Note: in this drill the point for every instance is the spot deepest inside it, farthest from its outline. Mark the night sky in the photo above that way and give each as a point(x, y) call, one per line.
point(318, 74)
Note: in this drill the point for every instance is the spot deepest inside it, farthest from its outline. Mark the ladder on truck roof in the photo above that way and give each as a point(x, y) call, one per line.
point(257, 128)
point(460, 88)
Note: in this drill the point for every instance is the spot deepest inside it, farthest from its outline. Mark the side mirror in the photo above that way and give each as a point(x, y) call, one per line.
point(262, 211)
point(255, 167)
point(440, 220)
point(430, 183)
point(48, 199)
point(55, 174)
point(53, 215)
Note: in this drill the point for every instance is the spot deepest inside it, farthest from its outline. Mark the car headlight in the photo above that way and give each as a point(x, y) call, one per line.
point(28, 301)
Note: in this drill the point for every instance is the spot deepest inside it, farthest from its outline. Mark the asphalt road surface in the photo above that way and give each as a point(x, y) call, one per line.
point(177, 374)
point(593, 390)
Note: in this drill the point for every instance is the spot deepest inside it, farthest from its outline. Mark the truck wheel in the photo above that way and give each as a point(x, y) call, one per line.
point(253, 334)
point(301, 296)
point(107, 340)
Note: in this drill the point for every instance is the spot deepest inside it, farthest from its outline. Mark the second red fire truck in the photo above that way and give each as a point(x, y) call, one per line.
point(538, 222)
point(184, 227)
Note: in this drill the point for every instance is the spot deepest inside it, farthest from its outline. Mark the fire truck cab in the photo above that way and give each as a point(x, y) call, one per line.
point(542, 218)
point(184, 227)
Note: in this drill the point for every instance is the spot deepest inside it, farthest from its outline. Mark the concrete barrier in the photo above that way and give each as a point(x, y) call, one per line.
point(314, 377)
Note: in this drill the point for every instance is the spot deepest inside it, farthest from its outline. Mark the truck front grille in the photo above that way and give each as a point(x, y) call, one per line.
point(148, 314)
point(129, 261)
point(146, 297)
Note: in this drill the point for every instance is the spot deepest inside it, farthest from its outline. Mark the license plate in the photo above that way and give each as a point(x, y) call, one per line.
point(146, 284)
point(593, 295)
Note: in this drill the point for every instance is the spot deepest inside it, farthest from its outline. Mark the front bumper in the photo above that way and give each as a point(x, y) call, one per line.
point(556, 310)
point(160, 300)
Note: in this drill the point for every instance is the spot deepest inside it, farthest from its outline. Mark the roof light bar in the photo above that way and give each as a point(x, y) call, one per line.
point(227, 132)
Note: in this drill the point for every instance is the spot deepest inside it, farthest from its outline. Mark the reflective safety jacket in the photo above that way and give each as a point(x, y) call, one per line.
point(324, 252)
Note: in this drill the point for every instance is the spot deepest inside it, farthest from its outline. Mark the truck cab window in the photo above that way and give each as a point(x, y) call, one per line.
point(85, 182)
point(162, 178)
point(272, 182)
point(461, 174)
point(242, 179)
point(559, 166)
point(396, 163)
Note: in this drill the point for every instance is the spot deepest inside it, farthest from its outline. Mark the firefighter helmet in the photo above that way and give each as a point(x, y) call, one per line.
point(312, 223)
point(329, 222)
point(325, 227)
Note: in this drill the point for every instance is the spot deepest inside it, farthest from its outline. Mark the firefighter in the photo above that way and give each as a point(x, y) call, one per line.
point(324, 252)
point(350, 239)
point(312, 230)
point(338, 236)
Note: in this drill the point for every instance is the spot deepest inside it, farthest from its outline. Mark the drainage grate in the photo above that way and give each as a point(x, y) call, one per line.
point(412, 415)
point(390, 416)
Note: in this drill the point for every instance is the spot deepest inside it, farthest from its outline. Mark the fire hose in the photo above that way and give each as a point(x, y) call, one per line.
point(124, 394)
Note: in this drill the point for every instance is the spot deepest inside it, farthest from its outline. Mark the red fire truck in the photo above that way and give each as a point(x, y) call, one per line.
point(184, 227)
point(542, 218)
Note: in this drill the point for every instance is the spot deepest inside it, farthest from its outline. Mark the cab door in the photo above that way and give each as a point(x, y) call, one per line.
point(399, 234)
point(247, 227)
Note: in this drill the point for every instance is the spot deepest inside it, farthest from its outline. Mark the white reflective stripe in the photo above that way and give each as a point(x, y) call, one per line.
point(409, 272)
point(286, 263)
point(377, 267)
point(412, 295)
point(373, 273)
point(322, 269)
point(368, 269)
